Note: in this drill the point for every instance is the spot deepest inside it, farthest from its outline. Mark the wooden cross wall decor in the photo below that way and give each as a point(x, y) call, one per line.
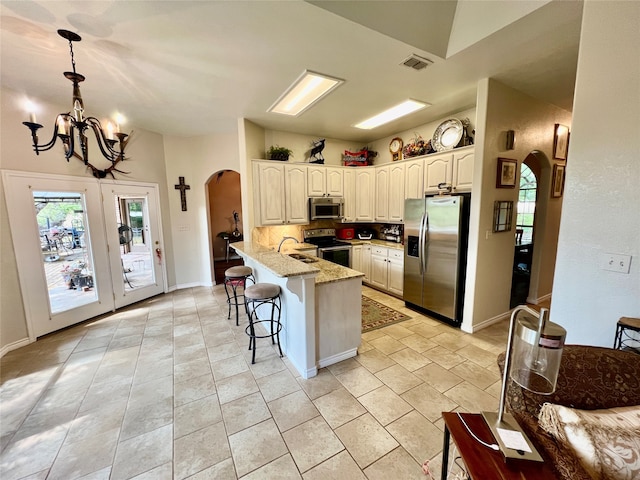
point(183, 192)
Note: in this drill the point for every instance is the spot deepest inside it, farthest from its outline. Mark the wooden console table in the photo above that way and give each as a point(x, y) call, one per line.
point(482, 462)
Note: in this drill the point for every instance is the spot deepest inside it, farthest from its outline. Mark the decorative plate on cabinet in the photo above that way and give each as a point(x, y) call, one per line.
point(447, 135)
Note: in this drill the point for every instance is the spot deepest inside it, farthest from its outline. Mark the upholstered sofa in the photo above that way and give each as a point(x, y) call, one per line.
point(590, 378)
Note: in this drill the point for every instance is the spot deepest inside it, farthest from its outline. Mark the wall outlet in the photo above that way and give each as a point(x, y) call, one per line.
point(615, 262)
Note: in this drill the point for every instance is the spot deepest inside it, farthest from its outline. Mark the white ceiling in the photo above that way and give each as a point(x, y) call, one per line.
point(195, 67)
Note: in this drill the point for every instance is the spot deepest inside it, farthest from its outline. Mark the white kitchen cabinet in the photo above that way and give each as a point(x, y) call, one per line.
point(335, 182)
point(396, 192)
point(365, 190)
point(463, 169)
point(437, 170)
point(389, 197)
point(395, 279)
point(356, 257)
point(324, 181)
point(454, 168)
point(387, 269)
point(296, 202)
point(366, 262)
point(349, 182)
point(382, 194)
point(281, 196)
point(414, 178)
point(379, 267)
point(269, 199)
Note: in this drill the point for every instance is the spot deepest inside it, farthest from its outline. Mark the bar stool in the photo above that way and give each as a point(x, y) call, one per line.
point(235, 277)
point(256, 296)
point(630, 342)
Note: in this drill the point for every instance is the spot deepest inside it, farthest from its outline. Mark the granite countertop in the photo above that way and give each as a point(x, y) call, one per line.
point(375, 241)
point(282, 265)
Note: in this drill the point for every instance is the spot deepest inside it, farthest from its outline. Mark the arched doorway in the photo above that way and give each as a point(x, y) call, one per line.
point(525, 226)
point(225, 220)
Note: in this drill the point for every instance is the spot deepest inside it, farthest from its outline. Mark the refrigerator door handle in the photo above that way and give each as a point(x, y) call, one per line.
point(421, 247)
point(425, 241)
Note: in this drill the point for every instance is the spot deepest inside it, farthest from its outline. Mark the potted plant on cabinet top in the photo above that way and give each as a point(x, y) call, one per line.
point(279, 153)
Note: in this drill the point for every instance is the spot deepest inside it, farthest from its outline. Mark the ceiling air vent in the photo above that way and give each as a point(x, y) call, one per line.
point(416, 62)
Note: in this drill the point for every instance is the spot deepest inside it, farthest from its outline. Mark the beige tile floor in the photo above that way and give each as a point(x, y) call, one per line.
point(165, 390)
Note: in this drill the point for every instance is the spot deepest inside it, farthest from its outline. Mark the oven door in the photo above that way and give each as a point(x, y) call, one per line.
point(340, 255)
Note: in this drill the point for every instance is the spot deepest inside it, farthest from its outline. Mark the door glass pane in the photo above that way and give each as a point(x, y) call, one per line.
point(66, 249)
point(135, 245)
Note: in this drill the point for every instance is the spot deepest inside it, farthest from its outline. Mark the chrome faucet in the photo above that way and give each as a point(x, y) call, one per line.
point(284, 239)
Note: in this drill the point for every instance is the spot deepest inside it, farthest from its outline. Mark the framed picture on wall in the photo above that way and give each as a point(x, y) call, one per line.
point(557, 186)
point(502, 215)
point(560, 142)
point(506, 174)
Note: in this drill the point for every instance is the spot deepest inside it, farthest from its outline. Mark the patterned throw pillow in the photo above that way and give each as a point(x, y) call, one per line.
point(607, 442)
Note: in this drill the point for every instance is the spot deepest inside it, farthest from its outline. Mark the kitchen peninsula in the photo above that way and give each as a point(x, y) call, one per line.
point(321, 305)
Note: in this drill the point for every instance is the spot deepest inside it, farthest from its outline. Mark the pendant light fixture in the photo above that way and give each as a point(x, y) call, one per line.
point(75, 124)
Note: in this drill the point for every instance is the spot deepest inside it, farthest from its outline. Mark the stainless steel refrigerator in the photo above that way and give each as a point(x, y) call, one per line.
point(436, 234)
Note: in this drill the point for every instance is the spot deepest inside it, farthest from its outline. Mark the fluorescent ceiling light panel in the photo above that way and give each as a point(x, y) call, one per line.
point(305, 91)
point(405, 108)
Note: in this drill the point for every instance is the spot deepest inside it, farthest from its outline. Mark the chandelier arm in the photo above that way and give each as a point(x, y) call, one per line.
point(104, 143)
point(34, 127)
point(69, 143)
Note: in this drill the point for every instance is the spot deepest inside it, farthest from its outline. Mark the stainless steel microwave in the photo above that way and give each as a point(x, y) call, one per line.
point(323, 208)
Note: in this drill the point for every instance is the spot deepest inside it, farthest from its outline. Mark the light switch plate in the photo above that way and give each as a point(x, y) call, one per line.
point(615, 262)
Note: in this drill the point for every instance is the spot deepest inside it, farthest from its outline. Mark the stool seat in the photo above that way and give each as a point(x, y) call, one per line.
point(262, 291)
point(625, 340)
point(238, 271)
point(263, 297)
point(234, 278)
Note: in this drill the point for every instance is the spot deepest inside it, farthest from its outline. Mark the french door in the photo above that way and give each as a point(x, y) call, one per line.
point(133, 231)
point(82, 247)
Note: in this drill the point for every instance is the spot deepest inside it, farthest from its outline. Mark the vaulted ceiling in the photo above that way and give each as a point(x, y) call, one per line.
point(195, 67)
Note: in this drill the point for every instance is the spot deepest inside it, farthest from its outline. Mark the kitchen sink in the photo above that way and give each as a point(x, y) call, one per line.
point(303, 258)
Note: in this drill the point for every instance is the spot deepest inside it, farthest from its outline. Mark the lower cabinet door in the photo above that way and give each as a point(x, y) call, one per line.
point(379, 271)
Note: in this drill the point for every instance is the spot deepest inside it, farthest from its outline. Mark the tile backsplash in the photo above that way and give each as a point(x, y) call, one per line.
point(271, 236)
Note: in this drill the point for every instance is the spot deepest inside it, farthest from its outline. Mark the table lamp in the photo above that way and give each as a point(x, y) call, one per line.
point(534, 350)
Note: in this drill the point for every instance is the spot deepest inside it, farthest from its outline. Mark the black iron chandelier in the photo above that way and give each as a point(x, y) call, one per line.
point(67, 124)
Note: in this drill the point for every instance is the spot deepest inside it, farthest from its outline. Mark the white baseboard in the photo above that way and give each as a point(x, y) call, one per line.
point(12, 346)
point(190, 285)
point(338, 357)
point(488, 322)
point(537, 301)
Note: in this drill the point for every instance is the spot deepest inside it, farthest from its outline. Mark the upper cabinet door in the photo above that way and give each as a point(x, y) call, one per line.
point(437, 170)
point(349, 182)
point(396, 192)
point(270, 201)
point(463, 170)
point(414, 179)
point(334, 182)
point(324, 182)
point(316, 181)
point(365, 190)
point(382, 193)
point(296, 201)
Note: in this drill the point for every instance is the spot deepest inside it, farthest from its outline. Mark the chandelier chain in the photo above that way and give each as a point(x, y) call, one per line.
point(73, 61)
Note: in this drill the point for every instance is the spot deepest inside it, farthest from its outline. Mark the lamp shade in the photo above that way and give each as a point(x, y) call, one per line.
point(536, 355)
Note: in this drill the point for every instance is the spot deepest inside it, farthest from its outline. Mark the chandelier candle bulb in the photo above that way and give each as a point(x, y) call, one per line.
point(62, 126)
point(32, 117)
point(109, 131)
